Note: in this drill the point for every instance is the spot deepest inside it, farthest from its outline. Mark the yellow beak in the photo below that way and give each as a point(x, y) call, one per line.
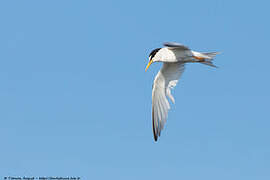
point(148, 65)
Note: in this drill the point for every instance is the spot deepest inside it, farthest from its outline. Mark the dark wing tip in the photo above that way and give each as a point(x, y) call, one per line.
point(153, 125)
point(155, 134)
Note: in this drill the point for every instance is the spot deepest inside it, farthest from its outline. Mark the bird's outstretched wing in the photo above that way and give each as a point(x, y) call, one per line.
point(174, 45)
point(165, 80)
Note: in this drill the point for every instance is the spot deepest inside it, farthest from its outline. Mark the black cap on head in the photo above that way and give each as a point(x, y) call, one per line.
point(153, 53)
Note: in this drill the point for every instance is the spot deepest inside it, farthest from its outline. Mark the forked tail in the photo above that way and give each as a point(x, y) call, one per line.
point(205, 58)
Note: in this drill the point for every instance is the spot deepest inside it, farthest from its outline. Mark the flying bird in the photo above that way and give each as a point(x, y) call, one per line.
point(174, 56)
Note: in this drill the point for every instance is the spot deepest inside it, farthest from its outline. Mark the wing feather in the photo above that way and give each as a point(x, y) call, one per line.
point(174, 45)
point(165, 80)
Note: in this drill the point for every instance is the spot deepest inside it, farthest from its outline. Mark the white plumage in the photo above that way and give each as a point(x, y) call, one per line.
point(173, 56)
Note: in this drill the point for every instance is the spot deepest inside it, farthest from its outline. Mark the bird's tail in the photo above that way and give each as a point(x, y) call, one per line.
point(205, 58)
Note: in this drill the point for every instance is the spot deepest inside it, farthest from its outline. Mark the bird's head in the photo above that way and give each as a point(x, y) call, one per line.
point(151, 57)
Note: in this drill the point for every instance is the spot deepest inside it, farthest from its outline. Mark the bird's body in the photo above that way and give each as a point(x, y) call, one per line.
point(174, 56)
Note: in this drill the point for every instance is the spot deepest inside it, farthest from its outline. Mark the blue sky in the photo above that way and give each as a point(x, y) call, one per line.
point(75, 100)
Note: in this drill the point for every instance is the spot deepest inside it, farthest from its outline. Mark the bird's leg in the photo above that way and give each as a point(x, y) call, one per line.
point(201, 59)
point(196, 61)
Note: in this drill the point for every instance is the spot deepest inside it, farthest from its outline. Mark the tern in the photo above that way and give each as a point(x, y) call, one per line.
point(174, 56)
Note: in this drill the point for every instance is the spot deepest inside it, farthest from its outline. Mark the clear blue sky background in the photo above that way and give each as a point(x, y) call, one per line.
point(75, 100)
